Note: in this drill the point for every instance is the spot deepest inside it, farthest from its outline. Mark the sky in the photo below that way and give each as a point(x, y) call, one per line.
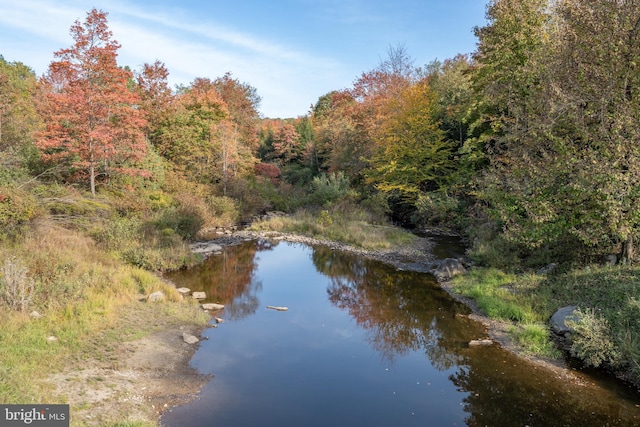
point(291, 51)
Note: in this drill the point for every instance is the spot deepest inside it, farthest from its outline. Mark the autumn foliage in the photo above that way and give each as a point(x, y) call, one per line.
point(92, 123)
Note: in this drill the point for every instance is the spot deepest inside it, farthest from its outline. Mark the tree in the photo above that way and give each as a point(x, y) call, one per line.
point(18, 115)
point(506, 66)
point(596, 110)
point(156, 97)
point(233, 157)
point(242, 101)
point(413, 156)
point(89, 111)
point(187, 136)
point(567, 167)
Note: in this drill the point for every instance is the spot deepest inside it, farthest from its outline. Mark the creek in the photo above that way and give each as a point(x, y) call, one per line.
point(364, 344)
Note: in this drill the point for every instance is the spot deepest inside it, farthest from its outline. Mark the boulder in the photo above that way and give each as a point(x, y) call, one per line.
point(478, 343)
point(559, 318)
point(199, 295)
point(189, 339)
point(35, 315)
point(447, 268)
point(205, 248)
point(183, 291)
point(212, 307)
point(547, 269)
point(155, 297)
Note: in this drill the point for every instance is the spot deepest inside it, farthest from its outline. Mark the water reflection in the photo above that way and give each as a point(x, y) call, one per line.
point(313, 366)
point(401, 311)
point(228, 278)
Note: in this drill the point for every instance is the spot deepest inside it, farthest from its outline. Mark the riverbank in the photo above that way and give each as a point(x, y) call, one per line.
point(136, 369)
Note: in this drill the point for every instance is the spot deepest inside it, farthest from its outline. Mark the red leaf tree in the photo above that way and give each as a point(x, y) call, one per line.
point(91, 115)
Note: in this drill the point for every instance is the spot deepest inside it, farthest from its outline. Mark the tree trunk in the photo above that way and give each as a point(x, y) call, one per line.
point(627, 251)
point(92, 169)
point(92, 179)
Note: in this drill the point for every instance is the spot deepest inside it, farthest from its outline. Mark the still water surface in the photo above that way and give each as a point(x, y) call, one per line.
point(364, 344)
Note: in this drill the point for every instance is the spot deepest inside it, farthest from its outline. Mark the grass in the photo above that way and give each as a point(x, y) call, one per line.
point(500, 295)
point(81, 292)
point(608, 298)
point(350, 226)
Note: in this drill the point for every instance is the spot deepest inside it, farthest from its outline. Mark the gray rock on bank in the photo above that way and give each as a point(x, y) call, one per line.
point(205, 248)
point(559, 318)
point(447, 268)
point(155, 297)
point(212, 307)
point(189, 339)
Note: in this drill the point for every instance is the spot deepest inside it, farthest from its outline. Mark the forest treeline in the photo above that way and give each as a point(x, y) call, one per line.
point(528, 142)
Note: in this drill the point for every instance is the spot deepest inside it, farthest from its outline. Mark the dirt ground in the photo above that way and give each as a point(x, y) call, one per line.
point(134, 379)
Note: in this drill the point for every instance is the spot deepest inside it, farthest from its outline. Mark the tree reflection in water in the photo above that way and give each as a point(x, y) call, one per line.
point(401, 311)
point(228, 278)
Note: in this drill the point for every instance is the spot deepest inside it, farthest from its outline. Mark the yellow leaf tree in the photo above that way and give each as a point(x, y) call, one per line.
point(412, 155)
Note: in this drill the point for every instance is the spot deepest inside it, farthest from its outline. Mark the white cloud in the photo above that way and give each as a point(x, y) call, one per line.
point(287, 79)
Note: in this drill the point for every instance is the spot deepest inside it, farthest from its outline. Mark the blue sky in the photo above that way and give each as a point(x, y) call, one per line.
point(291, 51)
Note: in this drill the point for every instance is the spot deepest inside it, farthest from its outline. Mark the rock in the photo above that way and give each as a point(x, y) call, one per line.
point(559, 318)
point(212, 307)
point(155, 297)
point(52, 339)
point(205, 248)
point(35, 315)
point(548, 269)
point(272, 307)
point(189, 339)
point(199, 295)
point(447, 268)
point(478, 343)
point(218, 319)
point(184, 291)
point(611, 260)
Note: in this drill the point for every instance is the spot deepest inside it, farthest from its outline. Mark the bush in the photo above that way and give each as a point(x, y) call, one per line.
point(119, 233)
point(17, 208)
point(16, 287)
point(436, 209)
point(326, 189)
point(592, 341)
point(186, 221)
point(378, 208)
point(223, 211)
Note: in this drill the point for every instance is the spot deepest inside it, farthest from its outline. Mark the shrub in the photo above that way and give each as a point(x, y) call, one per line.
point(592, 341)
point(17, 208)
point(268, 170)
point(222, 211)
point(437, 209)
point(326, 189)
point(378, 208)
point(16, 287)
point(185, 220)
point(119, 233)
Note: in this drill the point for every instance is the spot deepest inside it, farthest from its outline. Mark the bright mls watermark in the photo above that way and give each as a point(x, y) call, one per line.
point(34, 415)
